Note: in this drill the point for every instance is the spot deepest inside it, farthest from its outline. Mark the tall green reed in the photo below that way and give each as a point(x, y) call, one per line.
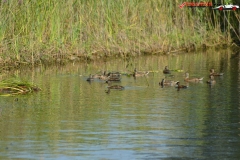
point(40, 28)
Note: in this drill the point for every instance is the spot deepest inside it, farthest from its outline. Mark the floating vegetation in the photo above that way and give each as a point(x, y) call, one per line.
point(15, 87)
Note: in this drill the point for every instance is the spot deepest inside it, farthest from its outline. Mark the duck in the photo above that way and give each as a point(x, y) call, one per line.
point(104, 76)
point(113, 78)
point(187, 79)
point(139, 74)
point(211, 81)
point(118, 87)
point(98, 75)
point(180, 86)
point(90, 78)
point(114, 74)
point(212, 72)
point(166, 83)
point(166, 70)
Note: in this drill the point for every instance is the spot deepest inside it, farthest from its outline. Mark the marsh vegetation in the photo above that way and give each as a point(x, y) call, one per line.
point(42, 32)
point(15, 86)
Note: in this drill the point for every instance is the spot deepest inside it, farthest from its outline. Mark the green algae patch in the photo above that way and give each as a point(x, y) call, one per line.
point(11, 87)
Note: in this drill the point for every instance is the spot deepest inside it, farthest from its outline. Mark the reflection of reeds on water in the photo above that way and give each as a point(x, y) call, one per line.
point(15, 87)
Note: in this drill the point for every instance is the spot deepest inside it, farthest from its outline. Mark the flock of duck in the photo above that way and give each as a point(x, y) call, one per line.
point(116, 77)
point(211, 81)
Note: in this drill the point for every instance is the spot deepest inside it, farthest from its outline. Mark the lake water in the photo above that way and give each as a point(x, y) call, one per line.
point(73, 119)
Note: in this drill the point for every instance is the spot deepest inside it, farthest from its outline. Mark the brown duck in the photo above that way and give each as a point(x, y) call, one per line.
point(114, 74)
point(139, 74)
point(213, 73)
point(166, 70)
point(187, 79)
point(180, 86)
point(114, 79)
point(164, 82)
point(211, 81)
point(104, 76)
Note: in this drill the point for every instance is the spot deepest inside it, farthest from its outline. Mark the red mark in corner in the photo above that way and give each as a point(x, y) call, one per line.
point(182, 5)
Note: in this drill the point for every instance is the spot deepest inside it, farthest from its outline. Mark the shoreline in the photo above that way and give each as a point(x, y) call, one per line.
point(65, 58)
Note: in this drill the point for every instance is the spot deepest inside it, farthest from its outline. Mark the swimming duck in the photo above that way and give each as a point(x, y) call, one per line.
point(180, 86)
point(98, 75)
point(103, 77)
point(139, 74)
point(166, 70)
point(212, 72)
point(114, 74)
point(90, 78)
point(192, 79)
point(211, 81)
point(166, 83)
point(113, 78)
point(114, 86)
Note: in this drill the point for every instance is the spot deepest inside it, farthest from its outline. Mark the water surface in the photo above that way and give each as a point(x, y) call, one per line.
point(73, 119)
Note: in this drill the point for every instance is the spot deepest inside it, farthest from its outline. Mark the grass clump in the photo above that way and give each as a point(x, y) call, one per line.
point(15, 87)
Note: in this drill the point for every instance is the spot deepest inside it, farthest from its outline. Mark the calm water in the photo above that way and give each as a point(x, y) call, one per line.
point(73, 119)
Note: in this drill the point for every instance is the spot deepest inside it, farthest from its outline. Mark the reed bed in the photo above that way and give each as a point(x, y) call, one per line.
point(35, 32)
point(11, 87)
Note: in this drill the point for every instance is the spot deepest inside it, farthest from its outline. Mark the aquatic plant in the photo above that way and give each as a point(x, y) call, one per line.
point(36, 32)
point(15, 86)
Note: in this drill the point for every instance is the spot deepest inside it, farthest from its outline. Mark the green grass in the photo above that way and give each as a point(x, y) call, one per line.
point(14, 86)
point(47, 30)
